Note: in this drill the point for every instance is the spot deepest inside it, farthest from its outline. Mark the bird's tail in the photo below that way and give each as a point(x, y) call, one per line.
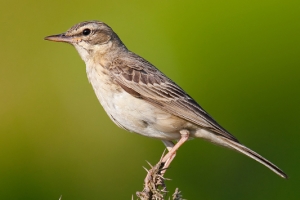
point(248, 152)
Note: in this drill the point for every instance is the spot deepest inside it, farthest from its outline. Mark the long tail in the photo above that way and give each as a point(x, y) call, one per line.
point(244, 150)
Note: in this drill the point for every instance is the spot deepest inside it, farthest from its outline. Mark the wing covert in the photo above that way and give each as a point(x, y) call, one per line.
point(142, 80)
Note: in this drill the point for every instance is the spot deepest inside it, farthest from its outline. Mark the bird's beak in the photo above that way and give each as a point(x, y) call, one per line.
point(59, 38)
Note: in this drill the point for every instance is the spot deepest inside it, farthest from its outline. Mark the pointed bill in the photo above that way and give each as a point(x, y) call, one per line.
point(60, 38)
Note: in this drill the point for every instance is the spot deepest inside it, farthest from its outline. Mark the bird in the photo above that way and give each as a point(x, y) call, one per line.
point(139, 98)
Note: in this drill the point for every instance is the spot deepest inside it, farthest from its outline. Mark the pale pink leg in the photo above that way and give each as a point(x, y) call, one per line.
point(168, 144)
point(168, 158)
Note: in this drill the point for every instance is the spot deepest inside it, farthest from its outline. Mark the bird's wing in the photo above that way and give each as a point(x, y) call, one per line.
point(142, 80)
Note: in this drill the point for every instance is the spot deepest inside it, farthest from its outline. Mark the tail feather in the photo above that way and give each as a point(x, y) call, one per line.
point(244, 150)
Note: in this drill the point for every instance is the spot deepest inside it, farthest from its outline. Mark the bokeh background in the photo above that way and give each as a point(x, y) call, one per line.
point(238, 59)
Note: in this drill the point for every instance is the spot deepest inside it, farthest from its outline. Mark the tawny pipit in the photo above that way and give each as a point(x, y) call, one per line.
point(141, 99)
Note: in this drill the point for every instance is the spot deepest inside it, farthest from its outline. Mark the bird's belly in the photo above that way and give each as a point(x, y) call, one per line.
point(131, 113)
point(139, 116)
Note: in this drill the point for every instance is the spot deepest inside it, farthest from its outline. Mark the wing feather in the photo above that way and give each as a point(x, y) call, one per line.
point(142, 80)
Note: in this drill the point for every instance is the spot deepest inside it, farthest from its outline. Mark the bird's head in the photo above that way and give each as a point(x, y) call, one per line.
point(90, 38)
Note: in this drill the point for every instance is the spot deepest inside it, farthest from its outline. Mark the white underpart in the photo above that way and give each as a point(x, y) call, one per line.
point(82, 50)
point(134, 114)
point(127, 111)
point(209, 136)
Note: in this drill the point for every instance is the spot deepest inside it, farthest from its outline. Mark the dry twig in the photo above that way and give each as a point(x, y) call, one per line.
point(154, 184)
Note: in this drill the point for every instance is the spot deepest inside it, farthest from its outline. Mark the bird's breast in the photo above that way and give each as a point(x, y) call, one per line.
point(131, 113)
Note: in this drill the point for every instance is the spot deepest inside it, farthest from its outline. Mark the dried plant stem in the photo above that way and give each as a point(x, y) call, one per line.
point(154, 183)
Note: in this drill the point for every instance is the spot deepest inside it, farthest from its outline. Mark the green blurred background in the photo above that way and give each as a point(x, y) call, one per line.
point(238, 59)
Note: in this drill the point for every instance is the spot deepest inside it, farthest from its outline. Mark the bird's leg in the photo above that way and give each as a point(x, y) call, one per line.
point(168, 158)
point(168, 144)
point(164, 165)
point(184, 137)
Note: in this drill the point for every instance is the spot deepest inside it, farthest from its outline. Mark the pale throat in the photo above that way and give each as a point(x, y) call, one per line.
point(83, 52)
point(96, 53)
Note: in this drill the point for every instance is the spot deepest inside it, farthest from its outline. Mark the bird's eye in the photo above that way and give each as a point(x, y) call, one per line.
point(86, 31)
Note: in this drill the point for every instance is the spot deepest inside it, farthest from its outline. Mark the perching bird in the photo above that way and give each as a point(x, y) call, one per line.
point(140, 98)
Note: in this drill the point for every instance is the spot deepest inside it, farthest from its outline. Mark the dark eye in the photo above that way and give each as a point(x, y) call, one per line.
point(86, 31)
